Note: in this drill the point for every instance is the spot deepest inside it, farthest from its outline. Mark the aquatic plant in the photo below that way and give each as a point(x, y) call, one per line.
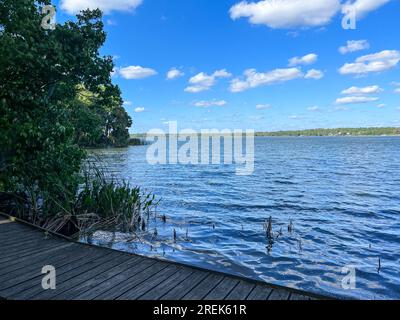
point(269, 228)
point(99, 203)
point(290, 226)
point(106, 204)
point(269, 234)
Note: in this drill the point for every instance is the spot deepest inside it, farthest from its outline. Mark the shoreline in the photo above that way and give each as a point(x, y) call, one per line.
point(295, 136)
point(319, 132)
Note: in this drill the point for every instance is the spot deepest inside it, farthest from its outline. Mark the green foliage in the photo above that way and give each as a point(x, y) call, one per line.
point(100, 203)
point(88, 126)
point(44, 120)
point(335, 132)
point(99, 122)
point(110, 203)
point(137, 142)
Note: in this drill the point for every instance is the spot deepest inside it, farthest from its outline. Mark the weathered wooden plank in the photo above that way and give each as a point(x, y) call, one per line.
point(16, 233)
point(184, 287)
point(279, 294)
point(150, 283)
point(222, 289)
point(241, 291)
point(64, 271)
point(132, 282)
point(43, 258)
point(36, 246)
point(204, 287)
point(84, 273)
point(26, 277)
point(26, 282)
point(164, 287)
point(19, 249)
point(94, 277)
point(260, 292)
point(16, 240)
point(296, 296)
point(4, 221)
point(91, 284)
point(115, 281)
point(8, 225)
point(23, 237)
point(13, 228)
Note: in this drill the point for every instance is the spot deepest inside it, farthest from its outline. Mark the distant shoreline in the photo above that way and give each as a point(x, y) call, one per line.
point(338, 132)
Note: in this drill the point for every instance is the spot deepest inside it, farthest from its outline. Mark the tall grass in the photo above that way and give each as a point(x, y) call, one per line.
point(106, 204)
point(99, 203)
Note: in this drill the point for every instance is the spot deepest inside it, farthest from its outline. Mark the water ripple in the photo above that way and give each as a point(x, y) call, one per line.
point(341, 194)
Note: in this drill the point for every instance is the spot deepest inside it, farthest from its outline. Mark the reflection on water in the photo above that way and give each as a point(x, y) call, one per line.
point(334, 202)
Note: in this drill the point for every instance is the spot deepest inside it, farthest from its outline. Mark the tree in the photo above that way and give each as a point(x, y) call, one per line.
point(41, 72)
point(99, 122)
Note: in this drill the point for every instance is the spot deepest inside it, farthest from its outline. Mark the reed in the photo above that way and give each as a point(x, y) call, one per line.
point(99, 203)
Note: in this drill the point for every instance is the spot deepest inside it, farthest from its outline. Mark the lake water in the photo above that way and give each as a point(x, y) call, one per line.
point(342, 195)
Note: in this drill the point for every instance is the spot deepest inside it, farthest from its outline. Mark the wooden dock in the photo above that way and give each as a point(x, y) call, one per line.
point(85, 272)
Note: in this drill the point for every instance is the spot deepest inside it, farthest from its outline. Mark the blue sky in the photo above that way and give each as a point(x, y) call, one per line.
point(232, 62)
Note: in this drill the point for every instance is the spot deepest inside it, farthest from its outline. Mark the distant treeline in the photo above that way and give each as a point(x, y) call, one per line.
point(137, 141)
point(389, 131)
point(334, 132)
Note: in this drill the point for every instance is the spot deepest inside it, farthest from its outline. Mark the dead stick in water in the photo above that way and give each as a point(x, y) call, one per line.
point(269, 228)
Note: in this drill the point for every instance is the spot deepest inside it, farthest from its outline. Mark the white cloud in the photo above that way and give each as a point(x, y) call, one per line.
point(222, 74)
point(114, 72)
point(361, 91)
point(136, 72)
point(107, 6)
point(305, 60)
point(314, 109)
point(397, 90)
point(238, 85)
point(376, 62)
point(174, 73)
point(203, 81)
point(296, 117)
point(382, 105)
point(300, 13)
point(314, 74)
point(139, 110)
point(355, 100)
point(127, 103)
point(353, 46)
point(255, 79)
point(340, 108)
point(263, 106)
point(362, 7)
point(287, 13)
point(212, 103)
